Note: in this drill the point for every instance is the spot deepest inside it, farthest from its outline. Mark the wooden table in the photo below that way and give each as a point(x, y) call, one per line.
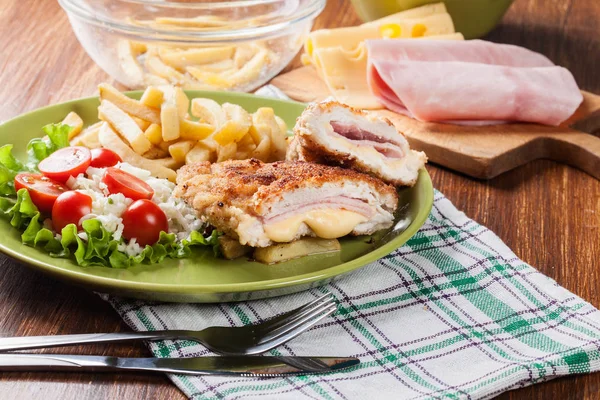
point(549, 214)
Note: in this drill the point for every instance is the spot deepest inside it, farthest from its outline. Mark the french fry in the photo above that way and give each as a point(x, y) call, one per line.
point(138, 48)
point(141, 123)
point(168, 162)
point(218, 80)
point(154, 134)
point(124, 125)
point(282, 125)
point(299, 248)
point(165, 145)
point(75, 122)
point(155, 153)
point(237, 125)
point(129, 64)
point(199, 153)
point(181, 59)
point(129, 105)
point(192, 130)
point(88, 137)
point(245, 147)
point(152, 97)
point(155, 65)
point(264, 117)
point(232, 249)
point(179, 150)
point(177, 96)
point(111, 140)
point(243, 54)
point(227, 152)
point(169, 118)
point(155, 80)
point(209, 111)
point(263, 149)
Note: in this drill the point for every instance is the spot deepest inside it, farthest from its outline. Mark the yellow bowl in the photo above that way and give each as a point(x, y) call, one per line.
point(473, 18)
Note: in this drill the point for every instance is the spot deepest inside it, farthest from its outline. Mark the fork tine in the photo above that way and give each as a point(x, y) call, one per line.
point(276, 322)
point(297, 321)
point(291, 333)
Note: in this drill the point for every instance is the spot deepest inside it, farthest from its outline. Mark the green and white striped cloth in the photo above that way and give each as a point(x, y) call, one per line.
point(452, 314)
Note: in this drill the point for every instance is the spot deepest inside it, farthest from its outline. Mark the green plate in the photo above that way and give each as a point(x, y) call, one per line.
point(202, 278)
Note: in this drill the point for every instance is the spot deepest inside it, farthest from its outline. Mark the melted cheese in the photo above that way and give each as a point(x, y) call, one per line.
point(327, 224)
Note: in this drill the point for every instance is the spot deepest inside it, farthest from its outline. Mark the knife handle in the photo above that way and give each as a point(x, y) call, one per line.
point(37, 342)
point(52, 362)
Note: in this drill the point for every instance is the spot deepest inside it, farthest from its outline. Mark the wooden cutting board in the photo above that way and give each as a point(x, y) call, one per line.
point(481, 152)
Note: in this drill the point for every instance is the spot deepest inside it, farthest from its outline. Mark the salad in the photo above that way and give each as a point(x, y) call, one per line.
point(91, 206)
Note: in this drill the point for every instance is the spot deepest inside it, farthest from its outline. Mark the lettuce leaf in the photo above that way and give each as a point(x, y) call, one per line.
point(57, 137)
point(100, 248)
point(9, 168)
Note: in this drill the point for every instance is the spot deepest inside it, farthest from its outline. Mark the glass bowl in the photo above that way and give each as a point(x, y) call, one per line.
point(207, 45)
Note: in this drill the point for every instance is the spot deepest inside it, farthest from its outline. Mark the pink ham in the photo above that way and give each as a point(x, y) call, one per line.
point(473, 82)
point(336, 203)
point(472, 51)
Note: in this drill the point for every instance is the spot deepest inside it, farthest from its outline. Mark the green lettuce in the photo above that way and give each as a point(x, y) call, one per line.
point(57, 137)
point(100, 248)
point(9, 168)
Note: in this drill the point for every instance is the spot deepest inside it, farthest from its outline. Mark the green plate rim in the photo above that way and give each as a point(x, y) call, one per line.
point(100, 281)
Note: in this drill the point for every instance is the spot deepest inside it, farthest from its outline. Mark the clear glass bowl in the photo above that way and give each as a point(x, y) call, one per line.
point(214, 45)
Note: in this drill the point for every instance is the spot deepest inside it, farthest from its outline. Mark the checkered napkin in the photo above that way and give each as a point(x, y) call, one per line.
point(451, 314)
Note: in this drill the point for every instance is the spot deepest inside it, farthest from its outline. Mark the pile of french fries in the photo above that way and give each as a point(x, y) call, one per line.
point(158, 133)
point(223, 67)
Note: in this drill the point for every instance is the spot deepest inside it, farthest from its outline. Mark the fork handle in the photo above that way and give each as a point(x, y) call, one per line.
point(36, 342)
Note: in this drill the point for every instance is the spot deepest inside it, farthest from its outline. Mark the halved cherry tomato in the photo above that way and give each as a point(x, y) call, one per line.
point(69, 207)
point(66, 162)
point(42, 190)
point(119, 181)
point(144, 220)
point(102, 158)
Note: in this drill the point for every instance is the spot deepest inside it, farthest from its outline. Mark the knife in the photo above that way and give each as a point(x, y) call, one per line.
point(231, 366)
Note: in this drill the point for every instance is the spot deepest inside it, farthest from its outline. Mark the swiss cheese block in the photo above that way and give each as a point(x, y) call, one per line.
point(350, 38)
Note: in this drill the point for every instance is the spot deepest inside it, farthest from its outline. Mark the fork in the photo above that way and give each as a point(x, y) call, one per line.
point(232, 341)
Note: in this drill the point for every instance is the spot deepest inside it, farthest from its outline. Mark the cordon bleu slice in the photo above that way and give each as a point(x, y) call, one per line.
point(262, 204)
point(335, 134)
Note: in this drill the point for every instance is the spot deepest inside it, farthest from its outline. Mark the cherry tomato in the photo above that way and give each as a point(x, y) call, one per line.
point(144, 220)
point(119, 181)
point(69, 207)
point(66, 162)
point(42, 190)
point(102, 158)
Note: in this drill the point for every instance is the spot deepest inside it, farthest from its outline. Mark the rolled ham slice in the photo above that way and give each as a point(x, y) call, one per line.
point(476, 84)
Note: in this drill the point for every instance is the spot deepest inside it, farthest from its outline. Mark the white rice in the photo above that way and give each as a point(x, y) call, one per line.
point(109, 208)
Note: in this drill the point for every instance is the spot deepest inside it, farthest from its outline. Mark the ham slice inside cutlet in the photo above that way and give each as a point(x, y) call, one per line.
point(472, 82)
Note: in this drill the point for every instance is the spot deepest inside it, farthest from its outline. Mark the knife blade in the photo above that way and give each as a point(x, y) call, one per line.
point(231, 366)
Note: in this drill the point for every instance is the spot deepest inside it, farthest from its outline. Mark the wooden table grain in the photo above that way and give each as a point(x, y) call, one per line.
point(549, 214)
